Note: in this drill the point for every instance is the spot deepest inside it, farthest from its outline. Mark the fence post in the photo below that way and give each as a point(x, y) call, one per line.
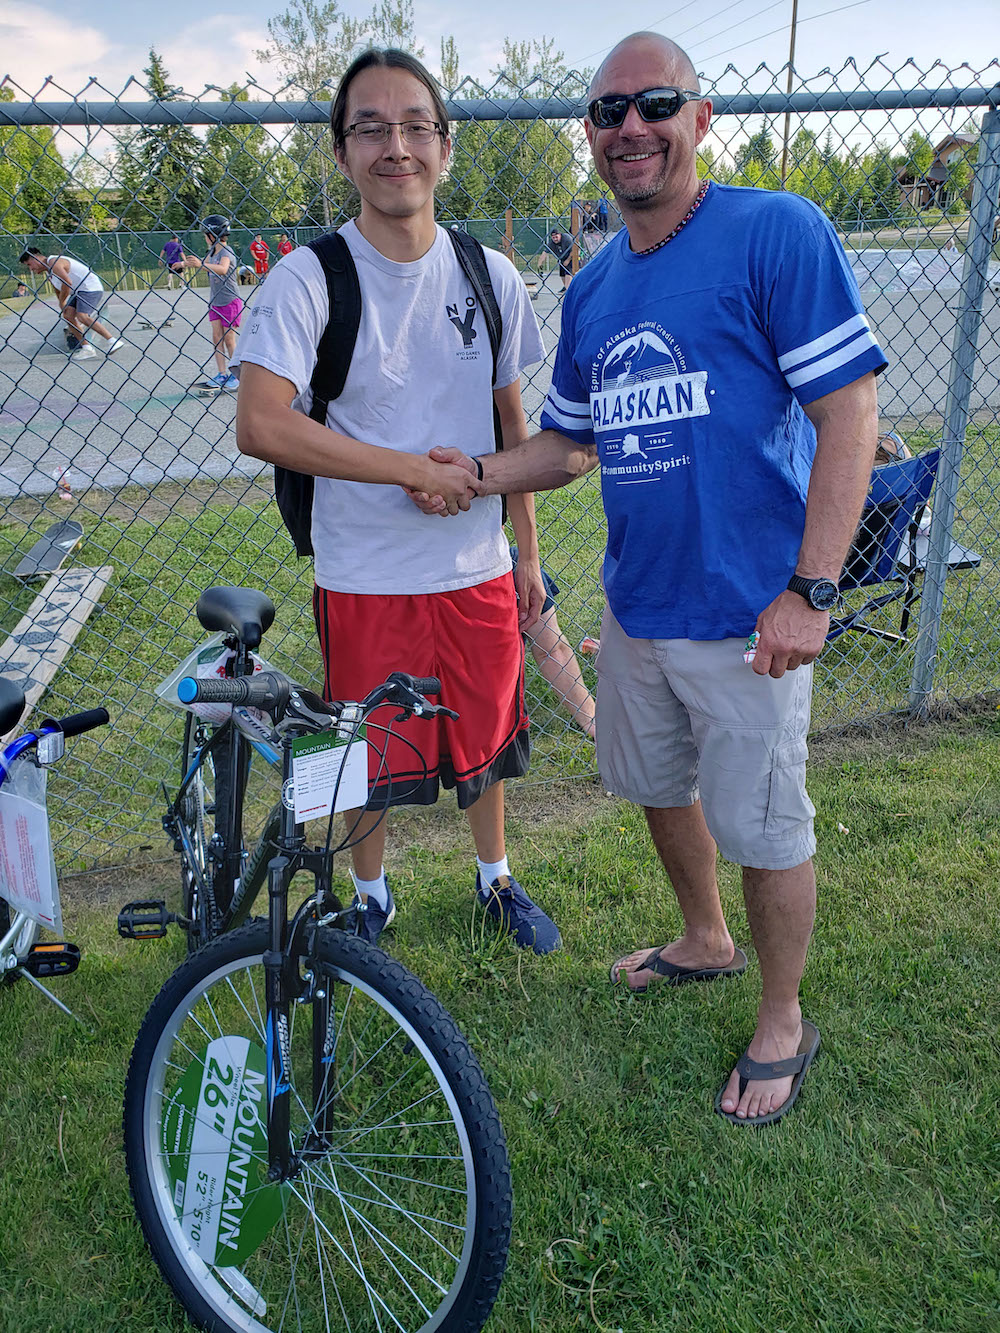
point(986, 188)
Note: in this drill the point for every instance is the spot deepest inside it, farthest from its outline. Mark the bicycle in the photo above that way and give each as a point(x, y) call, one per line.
point(29, 899)
point(310, 1142)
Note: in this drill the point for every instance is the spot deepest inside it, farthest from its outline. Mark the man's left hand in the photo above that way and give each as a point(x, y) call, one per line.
point(791, 633)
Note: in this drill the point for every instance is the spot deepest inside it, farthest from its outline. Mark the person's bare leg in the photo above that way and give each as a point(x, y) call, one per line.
point(72, 319)
point(781, 906)
point(95, 325)
point(486, 822)
point(559, 666)
point(367, 855)
point(688, 853)
point(229, 345)
point(218, 346)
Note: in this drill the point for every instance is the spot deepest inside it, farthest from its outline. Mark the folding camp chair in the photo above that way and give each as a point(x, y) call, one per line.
point(884, 550)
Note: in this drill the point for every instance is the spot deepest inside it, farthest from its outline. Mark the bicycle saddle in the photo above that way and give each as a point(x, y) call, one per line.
point(243, 611)
point(11, 705)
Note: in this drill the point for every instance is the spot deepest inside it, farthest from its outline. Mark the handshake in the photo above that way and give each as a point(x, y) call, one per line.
point(451, 482)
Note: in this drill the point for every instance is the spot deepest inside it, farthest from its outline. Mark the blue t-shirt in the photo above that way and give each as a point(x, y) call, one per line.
point(690, 367)
point(172, 252)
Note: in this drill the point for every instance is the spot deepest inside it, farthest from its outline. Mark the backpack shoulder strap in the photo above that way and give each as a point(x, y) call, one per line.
point(336, 347)
point(473, 261)
point(294, 490)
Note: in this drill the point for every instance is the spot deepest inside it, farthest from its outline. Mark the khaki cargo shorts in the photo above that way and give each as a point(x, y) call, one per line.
point(679, 721)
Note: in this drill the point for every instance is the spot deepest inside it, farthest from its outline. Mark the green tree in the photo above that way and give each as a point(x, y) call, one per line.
point(160, 166)
point(249, 175)
point(33, 180)
point(529, 166)
point(759, 150)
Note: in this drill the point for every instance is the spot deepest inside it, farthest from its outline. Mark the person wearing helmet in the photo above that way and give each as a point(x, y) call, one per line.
point(224, 304)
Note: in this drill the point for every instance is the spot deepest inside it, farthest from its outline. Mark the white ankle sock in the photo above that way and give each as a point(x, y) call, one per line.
point(490, 871)
point(376, 889)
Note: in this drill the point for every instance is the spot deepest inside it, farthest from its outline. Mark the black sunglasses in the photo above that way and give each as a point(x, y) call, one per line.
point(654, 104)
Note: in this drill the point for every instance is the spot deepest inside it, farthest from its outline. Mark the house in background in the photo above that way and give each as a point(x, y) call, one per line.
point(930, 190)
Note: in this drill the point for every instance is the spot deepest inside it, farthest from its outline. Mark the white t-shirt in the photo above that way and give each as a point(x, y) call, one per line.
point(81, 278)
point(420, 376)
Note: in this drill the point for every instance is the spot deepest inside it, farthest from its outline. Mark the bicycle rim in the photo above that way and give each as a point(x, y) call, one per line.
point(400, 1220)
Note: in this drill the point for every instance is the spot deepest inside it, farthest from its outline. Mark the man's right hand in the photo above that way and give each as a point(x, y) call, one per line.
point(433, 498)
point(448, 487)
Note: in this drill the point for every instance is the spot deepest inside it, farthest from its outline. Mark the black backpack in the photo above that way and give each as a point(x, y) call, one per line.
point(294, 490)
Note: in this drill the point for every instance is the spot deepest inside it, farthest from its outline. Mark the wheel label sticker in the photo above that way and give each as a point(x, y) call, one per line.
point(214, 1141)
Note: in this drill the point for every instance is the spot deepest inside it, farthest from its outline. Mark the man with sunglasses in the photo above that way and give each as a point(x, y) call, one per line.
point(392, 592)
point(716, 361)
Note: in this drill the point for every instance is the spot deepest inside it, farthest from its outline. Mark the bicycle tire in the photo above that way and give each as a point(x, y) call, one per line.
point(401, 1055)
point(206, 811)
point(20, 946)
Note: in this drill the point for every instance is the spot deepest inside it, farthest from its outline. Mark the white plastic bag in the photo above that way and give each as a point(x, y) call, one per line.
point(27, 867)
point(208, 661)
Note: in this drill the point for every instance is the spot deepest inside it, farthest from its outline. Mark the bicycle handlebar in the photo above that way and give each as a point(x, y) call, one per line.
point(77, 723)
point(270, 692)
point(265, 690)
point(416, 684)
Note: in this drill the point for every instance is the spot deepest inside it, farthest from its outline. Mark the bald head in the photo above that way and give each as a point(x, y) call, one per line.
point(678, 71)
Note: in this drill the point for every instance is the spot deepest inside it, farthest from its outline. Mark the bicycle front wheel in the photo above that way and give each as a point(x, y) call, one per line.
point(398, 1214)
point(19, 947)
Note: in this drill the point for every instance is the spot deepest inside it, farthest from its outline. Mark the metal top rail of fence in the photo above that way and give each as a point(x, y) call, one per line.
point(168, 506)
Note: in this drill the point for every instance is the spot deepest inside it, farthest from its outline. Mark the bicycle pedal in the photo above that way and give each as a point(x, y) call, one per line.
point(54, 958)
point(146, 919)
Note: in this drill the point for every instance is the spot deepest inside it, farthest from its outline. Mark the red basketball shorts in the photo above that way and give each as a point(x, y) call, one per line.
point(469, 639)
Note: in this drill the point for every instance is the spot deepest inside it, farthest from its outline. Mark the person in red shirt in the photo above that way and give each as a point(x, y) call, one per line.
point(285, 247)
point(261, 254)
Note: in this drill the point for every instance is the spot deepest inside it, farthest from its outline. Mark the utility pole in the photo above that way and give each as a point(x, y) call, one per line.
point(788, 89)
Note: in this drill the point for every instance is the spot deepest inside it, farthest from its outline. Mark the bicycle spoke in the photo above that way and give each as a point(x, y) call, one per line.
point(410, 1216)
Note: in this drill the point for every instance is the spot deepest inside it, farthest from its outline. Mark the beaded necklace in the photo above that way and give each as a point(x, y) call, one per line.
point(681, 225)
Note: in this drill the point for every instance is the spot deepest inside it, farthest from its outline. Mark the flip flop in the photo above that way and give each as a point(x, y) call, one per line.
point(756, 1069)
point(677, 975)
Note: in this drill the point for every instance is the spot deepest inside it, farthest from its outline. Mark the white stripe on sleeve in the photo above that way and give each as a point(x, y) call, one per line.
point(808, 350)
point(568, 420)
point(817, 369)
point(568, 406)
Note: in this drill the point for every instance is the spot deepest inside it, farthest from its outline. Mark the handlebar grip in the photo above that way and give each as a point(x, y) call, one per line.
point(77, 723)
point(265, 690)
point(426, 684)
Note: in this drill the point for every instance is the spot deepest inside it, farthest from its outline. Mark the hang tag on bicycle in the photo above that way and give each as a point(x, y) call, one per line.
point(328, 773)
point(27, 867)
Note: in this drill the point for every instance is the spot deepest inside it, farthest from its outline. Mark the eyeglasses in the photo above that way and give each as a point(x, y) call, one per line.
point(374, 133)
point(606, 113)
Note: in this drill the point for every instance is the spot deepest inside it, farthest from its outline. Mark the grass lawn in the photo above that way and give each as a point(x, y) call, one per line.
point(871, 1207)
point(168, 545)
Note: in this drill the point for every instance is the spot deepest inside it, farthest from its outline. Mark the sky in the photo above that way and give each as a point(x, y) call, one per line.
point(73, 41)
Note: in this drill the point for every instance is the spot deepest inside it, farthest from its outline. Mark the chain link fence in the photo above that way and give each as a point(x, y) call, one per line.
point(905, 163)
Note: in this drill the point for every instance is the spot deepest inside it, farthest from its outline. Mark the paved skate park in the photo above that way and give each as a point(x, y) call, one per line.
point(130, 419)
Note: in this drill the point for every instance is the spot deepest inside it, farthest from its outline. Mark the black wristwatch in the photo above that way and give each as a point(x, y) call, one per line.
point(821, 594)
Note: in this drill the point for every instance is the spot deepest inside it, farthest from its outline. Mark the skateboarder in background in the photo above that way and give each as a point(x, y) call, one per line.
point(172, 257)
point(224, 305)
point(80, 293)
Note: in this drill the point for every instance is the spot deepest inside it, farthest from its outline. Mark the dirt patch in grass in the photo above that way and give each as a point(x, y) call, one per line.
point(557, 807)
point(552, 809)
